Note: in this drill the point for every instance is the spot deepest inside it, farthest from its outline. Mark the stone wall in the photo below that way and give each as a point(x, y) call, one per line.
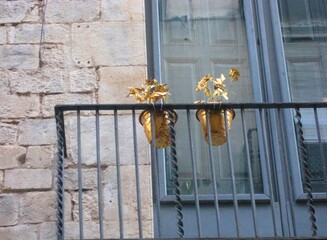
point(91, 52)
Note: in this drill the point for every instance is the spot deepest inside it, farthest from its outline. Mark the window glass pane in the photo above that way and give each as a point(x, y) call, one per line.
point(198, 37)
point(304, 30)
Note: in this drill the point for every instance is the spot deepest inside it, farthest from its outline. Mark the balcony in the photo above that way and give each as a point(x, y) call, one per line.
point(268, 179)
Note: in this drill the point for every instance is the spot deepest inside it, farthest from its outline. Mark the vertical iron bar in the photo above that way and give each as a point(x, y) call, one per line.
point(80, 183)
point(322, 155)
point(155, 175)
point(231, 165)
point(137, 176)
point(174, 165)
point(288, 172)
point(60, 189)
point(306, 171)
point(97, 134)
point(249, 165)
point(213, 173)
point(269, 174)
point(120, 208)
point(194, 170)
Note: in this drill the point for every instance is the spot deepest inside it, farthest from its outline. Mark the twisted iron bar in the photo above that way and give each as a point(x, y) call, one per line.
point(60, 174)
point(303, 154)
point(177, 193)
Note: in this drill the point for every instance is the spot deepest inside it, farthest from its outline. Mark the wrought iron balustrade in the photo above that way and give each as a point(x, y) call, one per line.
point(112, 184)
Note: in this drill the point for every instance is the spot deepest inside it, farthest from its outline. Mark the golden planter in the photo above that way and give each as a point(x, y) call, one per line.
point(217, 124)
point(161, 125)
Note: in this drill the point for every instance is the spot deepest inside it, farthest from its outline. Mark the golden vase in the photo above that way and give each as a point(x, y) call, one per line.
point(217, 124)
point(161, 125)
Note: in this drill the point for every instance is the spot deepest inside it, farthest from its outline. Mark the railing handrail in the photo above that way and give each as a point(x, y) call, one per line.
point(142, 106)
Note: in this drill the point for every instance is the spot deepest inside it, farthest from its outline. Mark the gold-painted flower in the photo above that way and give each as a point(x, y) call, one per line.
point(234, 74)
point(202, 84)
point(219, 90)
point(151, 92)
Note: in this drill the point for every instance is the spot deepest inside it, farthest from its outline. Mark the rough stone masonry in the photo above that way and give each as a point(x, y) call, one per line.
point(91, 51)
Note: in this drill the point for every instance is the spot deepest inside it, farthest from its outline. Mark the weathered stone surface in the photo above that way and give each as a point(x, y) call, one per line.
point(20, 232)
point(8, 210)
point(91, 230)
point(37, 132)
point(19, 56)
point(113, 78)
point(111, 44)
point(37, 207)
point(11, 156)
point(48, 231)
point(17, 11)
point(57, 56)
point(3, 35)
point(40, 156)
point(1, 179)
point(128, 188)
point(49, 101)
point(122, 10)
point(44, 80)
point(67, 11)
point(13, 106)
point(8, 133)
point(90, 206)
point(107, 141)
point(89, 179)
point(83, 80)
point(110, 229)
point(24, 179)
point(4, 82)
point(30, 33)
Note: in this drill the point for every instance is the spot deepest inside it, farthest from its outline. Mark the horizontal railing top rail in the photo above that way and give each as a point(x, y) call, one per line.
point(140, 106)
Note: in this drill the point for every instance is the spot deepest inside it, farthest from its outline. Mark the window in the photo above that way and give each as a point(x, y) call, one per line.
point(304, 30)
point(198, 38)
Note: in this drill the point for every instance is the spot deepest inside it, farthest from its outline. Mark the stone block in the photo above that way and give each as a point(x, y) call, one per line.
point(114, 83)
point(3, 35)
point(8, 133)
point(13, 106)
point(30, 33)
point(57, 56)
point(19, 56)
point(110, 43)
point(89, 179)
point(11, 156)
point(40, 156)
point(8, 210)
point(49, 101)
point(28, 179)
point(83, 80)
point(18, 11)
point(20, 232)
point(107, 145)
point(38, 207)
point(45, 80)
point(122, 10)
point(37, 132)
point(68, 11)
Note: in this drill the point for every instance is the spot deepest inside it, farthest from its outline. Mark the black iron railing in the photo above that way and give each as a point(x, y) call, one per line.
point(109, 187)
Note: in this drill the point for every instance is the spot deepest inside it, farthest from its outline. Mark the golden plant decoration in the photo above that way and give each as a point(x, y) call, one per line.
point(150, 92)
point(218, 91)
